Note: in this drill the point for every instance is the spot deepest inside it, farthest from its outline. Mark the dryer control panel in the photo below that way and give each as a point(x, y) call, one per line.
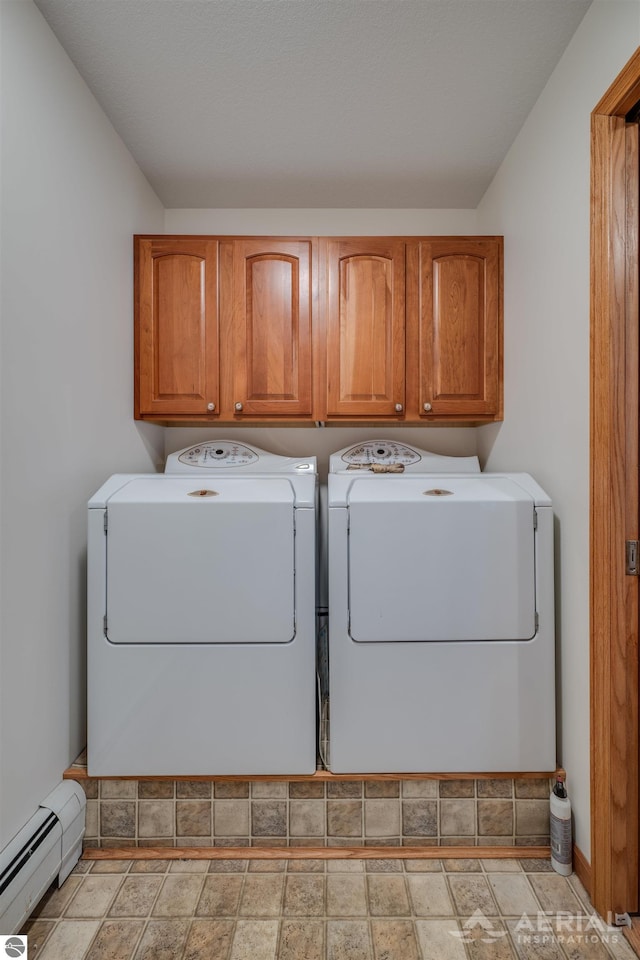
point(216, 454)
point(380, 451)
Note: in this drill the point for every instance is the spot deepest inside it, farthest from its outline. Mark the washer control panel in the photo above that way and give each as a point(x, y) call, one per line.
point(220, 453)
point(382, 452)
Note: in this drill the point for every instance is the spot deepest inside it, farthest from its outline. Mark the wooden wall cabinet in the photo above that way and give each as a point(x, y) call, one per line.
point(287, 329)
point(454, 328)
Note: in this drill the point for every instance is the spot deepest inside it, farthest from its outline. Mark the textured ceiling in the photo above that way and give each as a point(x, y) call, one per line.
point(316, 103)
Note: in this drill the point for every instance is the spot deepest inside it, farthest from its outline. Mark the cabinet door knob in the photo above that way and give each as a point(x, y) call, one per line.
point(399, 408)
point(426, 407)
point(238, 407)
point(211, 407)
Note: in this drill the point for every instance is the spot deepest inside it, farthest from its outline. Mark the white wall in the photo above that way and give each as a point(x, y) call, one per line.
point(71, 199)
point(540, 201)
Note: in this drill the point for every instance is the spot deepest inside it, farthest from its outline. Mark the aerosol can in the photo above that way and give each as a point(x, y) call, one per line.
point(561, 840)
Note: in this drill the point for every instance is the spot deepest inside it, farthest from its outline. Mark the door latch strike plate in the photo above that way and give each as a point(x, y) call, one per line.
point(631, 552)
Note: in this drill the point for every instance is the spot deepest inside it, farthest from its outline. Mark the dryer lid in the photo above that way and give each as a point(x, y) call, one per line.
point(210, 563)
point(441, 558)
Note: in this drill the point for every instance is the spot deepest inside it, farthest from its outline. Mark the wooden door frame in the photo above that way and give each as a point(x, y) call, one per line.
point(614, 498)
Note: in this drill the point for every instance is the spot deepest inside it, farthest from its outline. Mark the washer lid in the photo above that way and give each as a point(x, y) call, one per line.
point(210, 563)
point(441, 558)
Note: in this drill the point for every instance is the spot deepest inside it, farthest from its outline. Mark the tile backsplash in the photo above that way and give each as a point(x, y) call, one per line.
point(264, 813)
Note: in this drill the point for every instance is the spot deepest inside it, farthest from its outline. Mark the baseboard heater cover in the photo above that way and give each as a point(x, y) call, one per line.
point(47, 848)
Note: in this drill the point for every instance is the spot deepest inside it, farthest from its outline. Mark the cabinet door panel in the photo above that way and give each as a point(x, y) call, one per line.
point(176, 327)
point(365, 327)
point(459, 327)
point(272, 327)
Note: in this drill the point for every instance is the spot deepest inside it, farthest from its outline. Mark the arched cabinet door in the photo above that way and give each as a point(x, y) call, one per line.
point(460, 328)
point(364, 316)
point(266, 306)
point(176, 327)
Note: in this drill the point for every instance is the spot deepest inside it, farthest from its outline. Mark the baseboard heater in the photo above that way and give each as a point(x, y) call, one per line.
point(47, 848)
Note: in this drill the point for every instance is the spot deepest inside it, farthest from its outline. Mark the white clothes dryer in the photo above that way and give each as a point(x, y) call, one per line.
point(441, 615)
point(201, 616)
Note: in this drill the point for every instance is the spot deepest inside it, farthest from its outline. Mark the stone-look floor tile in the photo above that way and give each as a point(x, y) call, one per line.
point(420, 818)
point(462, 866)
point(386, 865)
point(149, 866)
point(255, 940)
point(344, 789)
point(423, 866)
point(381, 818)
point(381, 789)
point(210, 939)
point(94, 896)
point(269, 818)
point(262, 896)
point(83, 866)
point(437, 940)
point(532, 818)
point(55, 900)
point(495, 818)
point(513, 894)
point(457, 818)
point(533, 789)
point(301, 940)
point(304, 896)
point(228, 866)
point(70, 938)
point(346, 896)
point(579, 943)
point(489, 944)
point(37, 931)
point(189, 866)
point(345, 866)
point(267, 866)
point(269, 789)
point(117, 818)
point(162, 940)
point(136, 896)
point(156, 818)
point(536, 865)
point(194, 789)
point(344, 818)
point(220, 895)
point(156, 789)
point(387, 896)
point(302, 790)
point(394, 940)
point(306, 866)
point(430, 895)
point(457, 788)
point(427, 789)
point(118, 789)
point(231, 818)
point(179, 896)
point(501, 865)
point(307, 818)
point(472, 893)
point(533, 945)
point(580, 892)
point(348, 940)
point(231, 790)
point(111, 866)
point(554, 893)
point(193, 818)
point(494, 788)
point(116, 940)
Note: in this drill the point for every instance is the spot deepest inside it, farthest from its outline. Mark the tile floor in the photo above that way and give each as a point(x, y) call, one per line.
point(319, 910)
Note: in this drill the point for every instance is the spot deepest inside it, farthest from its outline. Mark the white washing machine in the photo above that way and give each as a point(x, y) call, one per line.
point(441, 615)
point(201, 616)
